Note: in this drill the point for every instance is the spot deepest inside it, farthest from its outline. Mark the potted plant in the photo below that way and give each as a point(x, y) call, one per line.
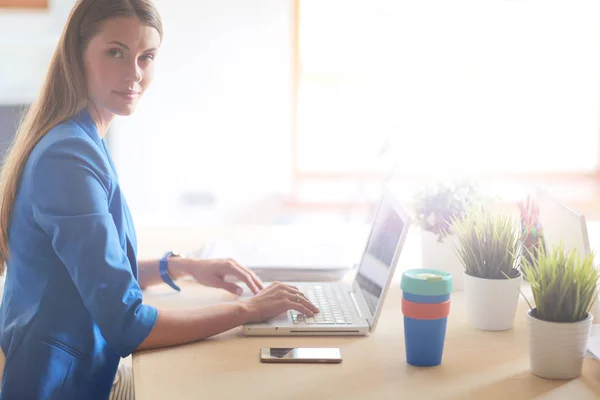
point(488, 246)
point(564, 287)
point(435, 207)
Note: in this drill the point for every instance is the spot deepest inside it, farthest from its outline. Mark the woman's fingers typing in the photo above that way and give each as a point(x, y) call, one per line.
point(299, 298)
point(278, 298)
point(259, 283)
point(299, 302)
point(290, 305)
point(252, 275)
point(246, 276)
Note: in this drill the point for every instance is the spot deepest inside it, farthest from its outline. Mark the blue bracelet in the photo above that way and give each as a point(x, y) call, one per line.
point(164, 272)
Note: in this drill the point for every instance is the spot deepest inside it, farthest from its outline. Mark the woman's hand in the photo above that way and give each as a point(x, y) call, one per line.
point(276, 299)
point(267, 303)
point(213, 272)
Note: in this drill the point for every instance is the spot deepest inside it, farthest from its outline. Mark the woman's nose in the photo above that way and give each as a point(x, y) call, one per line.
point(134, 73)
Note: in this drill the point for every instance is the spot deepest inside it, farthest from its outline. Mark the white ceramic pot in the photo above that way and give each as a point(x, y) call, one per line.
point(491, 303)
point(556, 349)
point(442, 256)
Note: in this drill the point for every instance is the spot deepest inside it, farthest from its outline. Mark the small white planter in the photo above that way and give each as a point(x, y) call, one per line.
point(556, 349)
point(442, 256)
point(491, 303)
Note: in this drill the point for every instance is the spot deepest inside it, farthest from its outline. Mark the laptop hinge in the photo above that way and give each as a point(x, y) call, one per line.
point(353, 297)
point(361, 304)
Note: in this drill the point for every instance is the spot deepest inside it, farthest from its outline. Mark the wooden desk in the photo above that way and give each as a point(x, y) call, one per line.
point(477, 364)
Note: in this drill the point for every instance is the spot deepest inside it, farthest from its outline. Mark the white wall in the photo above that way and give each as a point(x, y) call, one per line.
point(216, 122)
point(27, 40)
point(217, 118)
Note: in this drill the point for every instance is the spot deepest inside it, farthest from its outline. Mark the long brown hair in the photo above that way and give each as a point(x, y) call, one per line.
point(63, 93)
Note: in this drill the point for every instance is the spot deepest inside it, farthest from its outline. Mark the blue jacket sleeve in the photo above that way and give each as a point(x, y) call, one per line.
point(71, 188)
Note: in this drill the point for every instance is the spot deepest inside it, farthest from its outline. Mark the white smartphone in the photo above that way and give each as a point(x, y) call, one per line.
point(325, 355)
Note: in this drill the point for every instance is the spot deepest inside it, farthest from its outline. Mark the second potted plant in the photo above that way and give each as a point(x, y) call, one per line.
point(488, 246)
point(564, 287)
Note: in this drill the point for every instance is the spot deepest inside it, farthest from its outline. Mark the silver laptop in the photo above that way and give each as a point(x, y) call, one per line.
point(562, 223)
point(350, 308)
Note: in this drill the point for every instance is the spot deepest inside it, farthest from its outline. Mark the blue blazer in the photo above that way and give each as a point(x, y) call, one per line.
point(72, 305)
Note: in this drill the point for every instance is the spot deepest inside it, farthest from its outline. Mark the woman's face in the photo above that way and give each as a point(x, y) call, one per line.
point(119, 64)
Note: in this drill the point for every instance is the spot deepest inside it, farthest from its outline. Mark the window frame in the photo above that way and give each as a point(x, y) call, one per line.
point(298, 176)
point(28, 4)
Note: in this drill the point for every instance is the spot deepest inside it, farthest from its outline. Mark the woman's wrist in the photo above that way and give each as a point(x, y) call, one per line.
point(245, 311)
point(177, 267)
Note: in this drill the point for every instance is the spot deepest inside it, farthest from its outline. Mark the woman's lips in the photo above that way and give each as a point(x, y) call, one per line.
point(128, 95)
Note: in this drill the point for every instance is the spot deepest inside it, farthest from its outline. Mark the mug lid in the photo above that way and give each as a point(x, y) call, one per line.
point(427, 282)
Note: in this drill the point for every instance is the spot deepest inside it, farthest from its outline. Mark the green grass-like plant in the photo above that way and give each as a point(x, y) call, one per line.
point(564, 284)
point(488, 244)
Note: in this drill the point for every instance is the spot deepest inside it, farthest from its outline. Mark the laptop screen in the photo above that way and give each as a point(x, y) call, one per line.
point(562, 224)
point(377, 259)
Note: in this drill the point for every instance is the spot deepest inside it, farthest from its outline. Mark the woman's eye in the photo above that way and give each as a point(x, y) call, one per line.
point(115, 53)
point(147, 57)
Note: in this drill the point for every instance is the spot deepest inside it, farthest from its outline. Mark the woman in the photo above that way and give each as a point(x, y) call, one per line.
point(72, 305)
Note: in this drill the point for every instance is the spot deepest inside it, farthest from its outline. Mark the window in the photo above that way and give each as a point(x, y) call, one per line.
point(24, 3)
point(427, 88)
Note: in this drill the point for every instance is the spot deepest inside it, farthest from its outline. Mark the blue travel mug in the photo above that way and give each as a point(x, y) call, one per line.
point(425, 306)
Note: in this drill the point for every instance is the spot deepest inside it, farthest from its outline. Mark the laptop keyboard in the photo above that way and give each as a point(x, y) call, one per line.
point(329, 300)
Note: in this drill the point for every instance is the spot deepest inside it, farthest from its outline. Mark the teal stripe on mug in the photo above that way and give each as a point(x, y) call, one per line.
point(426, 282)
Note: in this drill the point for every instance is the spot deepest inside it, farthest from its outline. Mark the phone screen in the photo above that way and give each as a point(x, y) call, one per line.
point(301, 354)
